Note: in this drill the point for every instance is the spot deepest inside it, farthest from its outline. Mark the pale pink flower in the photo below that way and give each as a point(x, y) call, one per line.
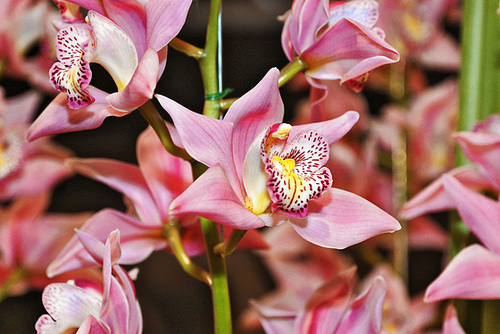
point(149, 188)
point(451, 324)
point(264, 172)
point(129, 41)
point(87, 307)
point(30, 239)
point(339, 42)
point(21, 162)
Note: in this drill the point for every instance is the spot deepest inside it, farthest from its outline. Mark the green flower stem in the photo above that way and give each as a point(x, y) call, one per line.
point(227, 247)
point(220, 288)
point(186, 48)
point(171, 232)
point(209, 74)
point(293, 68)
point(226, 103)
point(15, 277)
point(151, 115)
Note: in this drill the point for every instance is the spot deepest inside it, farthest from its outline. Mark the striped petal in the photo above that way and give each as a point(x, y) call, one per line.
point(75, 48)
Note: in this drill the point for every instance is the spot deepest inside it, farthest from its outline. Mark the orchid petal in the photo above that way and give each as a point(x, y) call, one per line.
point(365, 314)
point(250, 114)
point(333, 129)
point(115, 51)
point(166, 175)
point(346, 51)
point(474, 273)
point(75, 46)
point(434, 198)
point(141, 86)
point(362, 11)
point(25, 105)
point(58, 118)
point(480, 214)
point(484, 149)
point(125, 178)
point(206, 139)
point(340, 219)
point(138, 241)
point(195, 200)
point(165, 19)
point(450, 323)
point(307, 18)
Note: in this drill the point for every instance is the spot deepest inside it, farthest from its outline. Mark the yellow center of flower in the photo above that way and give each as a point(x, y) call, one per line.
point(415, 27)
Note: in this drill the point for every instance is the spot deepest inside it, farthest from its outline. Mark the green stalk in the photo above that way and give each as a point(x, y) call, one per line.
point(217, 264)
point(479, 88)
point(220, 288)
point(171, 232)
point(151, 115)
point(15, 277)
point(291, 69)
point(186, 48)
point(227, 247)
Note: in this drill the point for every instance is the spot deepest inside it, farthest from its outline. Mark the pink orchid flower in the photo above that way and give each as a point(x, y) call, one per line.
point(264, 172)
point(24, 25)
point(482, 147)
point(451, 324)
point(330, 309)
point(21, 162)
point(30, 239)
point(339, 42)
point(149, 189)
point(415, 29)
point(474, 273)
point(87, 307)
point(129, 40)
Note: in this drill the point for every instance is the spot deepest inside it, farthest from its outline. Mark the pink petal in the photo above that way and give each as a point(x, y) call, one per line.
point(483, 149)
point(346, 51)
point(25, 106)
point(58, 118)
point(340, 219)
point(451, 324)
point(125, 178)
point(165, 19)
point(442, 53)
point(433, 198)
point(222, 206)
point(333, 129)
point(474, 273)
point(366, 310)
point(206, 139)
point(138, 241)
point(253, 112)
point(166, 175)
point(307, 18)
point(480, 213)
point(141, 86)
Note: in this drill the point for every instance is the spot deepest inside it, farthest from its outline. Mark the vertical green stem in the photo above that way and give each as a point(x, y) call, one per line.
point(479, 97)
point(209, 73)
point(220, 288)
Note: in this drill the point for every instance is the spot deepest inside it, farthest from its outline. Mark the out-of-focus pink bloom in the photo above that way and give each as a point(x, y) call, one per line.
point(149, 189)
point(414, 29)
point(25, 25)
point(332, 308)
point(30, 239)
point(87, 307)
point(482, 147)
point(336, 43)
point(264, 172)
point(474, 273)
point(21, 162)
point(451, 324)
point(129, 40)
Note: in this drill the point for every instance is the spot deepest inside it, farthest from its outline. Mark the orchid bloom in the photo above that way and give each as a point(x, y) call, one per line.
point(129, 41)
point(264, 172)
point(414, 28)
point(331, 309)
point(339, 42)
point(30, 239)
point(149, 189)
point(21, 162)
point(474, 273)
point(87, 307)
point(482, 147)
